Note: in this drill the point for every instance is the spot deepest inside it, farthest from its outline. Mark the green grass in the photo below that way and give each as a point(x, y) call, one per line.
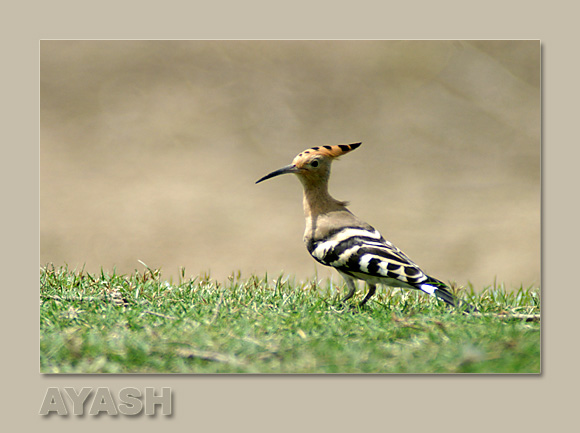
point(139, 323)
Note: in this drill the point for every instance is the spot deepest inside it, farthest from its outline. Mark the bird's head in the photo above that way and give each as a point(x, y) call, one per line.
point(313, 165)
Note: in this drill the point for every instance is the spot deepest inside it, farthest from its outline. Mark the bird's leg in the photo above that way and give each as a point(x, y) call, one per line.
point(372, 290)
point(351, 288)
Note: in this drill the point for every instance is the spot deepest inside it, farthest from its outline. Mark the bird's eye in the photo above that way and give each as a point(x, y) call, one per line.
point(314, 163)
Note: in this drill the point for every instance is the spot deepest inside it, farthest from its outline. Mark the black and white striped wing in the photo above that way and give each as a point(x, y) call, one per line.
point(364, 254)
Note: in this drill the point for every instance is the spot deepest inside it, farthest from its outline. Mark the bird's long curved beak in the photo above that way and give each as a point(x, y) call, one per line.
point(284, 170)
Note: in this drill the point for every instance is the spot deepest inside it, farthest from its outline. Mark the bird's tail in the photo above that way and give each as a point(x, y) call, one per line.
point(441, 290)
point(445, 295)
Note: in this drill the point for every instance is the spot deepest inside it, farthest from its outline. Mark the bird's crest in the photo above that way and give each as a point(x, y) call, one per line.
point(327, 150)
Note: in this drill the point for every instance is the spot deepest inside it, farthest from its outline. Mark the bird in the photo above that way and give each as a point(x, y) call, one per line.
point(335, 237)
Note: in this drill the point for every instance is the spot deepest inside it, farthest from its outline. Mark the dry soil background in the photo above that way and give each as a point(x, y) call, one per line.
point(149, 151)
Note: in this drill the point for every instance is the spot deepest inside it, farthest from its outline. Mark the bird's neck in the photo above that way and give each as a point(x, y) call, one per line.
point(317, 201)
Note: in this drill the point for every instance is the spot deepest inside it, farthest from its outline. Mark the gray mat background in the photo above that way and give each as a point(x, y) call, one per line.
point(482, 403)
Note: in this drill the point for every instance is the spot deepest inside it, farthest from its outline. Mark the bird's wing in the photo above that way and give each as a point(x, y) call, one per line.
point(363, 252)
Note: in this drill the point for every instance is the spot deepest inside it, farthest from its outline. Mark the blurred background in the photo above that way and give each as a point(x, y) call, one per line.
point(149, 151)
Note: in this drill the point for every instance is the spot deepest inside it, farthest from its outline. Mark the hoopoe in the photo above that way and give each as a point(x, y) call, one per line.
point(335, 237)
